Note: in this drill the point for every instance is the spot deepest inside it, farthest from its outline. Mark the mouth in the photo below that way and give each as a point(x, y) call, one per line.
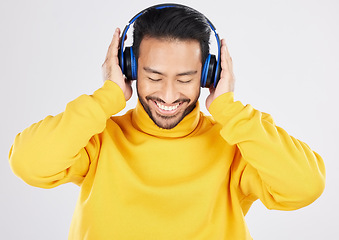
point(167, 109)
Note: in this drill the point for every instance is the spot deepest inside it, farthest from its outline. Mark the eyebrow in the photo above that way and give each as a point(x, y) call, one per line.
point(150, 70)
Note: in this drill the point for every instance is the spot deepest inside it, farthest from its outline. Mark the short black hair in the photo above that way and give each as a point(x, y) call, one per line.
point(178, 22)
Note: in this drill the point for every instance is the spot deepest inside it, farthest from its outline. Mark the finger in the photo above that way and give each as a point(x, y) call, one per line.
point(228, 56)
point(114, 46)
point(129, 91)
point(124, 39)
point(212, 89)
point(120, 42)
point(226, 60)
point(223, 44)
point(223, 57)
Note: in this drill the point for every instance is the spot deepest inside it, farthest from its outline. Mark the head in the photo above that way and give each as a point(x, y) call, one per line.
point(170, 45)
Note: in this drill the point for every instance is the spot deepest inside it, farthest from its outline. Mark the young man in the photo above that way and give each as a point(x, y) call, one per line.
point(164, 170)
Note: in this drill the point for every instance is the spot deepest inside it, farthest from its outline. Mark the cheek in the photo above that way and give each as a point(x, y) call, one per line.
point(192, 91)
point(144, 88)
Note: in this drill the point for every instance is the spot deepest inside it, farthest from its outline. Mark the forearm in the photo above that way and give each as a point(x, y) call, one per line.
point(288, 169)
point(52, 151)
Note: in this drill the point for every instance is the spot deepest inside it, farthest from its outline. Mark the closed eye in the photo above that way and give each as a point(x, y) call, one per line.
point(154, 80)
point(187, 81)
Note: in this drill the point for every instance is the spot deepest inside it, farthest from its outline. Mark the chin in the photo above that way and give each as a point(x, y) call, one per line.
point(167, 121)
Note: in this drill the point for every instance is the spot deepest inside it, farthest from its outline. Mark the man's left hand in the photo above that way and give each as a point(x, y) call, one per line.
point(227, 80)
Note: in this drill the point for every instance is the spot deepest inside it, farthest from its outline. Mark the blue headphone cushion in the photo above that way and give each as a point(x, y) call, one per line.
point(205, 71)
point(134, 65)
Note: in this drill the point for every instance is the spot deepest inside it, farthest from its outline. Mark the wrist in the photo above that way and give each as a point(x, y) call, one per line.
point(224, 107)
point(110, 97)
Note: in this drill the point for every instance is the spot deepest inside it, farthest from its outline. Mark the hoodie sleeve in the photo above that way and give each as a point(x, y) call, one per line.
point(283, 172)
point(59, 148)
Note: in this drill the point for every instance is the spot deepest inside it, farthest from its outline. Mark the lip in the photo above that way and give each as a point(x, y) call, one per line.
point(167, 112)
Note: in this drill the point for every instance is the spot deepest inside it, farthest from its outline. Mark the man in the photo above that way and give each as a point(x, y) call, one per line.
point(164, 170)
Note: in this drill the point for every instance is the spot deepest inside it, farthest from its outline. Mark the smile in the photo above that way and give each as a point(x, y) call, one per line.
point(167, 108)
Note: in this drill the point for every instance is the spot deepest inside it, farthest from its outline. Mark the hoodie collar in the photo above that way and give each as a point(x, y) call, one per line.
point(144, 123)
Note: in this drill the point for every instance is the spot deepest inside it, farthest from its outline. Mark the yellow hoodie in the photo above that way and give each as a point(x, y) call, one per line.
point(195, 181)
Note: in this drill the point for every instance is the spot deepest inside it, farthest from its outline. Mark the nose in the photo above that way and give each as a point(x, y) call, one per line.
point(169, 92)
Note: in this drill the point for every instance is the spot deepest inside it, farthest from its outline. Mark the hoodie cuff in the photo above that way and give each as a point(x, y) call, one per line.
point(110, 97)
point(223, 108)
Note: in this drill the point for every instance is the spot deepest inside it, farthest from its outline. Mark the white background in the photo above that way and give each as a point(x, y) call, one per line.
point(286, 62)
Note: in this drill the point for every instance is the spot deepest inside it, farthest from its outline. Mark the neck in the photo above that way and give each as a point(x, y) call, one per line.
point(144, 123)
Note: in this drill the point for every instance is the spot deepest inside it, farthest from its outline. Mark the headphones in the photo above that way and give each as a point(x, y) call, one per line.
point(210, 75)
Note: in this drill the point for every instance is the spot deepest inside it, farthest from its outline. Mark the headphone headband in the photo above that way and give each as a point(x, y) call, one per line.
point(169, 5)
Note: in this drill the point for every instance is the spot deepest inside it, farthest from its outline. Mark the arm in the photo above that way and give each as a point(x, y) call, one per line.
point(269, 164)
point(59, 149)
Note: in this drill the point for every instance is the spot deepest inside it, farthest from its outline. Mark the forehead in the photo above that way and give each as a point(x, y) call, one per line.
point(164, 51)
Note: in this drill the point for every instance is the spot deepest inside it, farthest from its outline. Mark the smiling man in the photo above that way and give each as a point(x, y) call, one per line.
point(169, 76)
point(164, 170)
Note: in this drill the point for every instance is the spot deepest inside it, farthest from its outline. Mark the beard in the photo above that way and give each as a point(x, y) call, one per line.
point(167, 122)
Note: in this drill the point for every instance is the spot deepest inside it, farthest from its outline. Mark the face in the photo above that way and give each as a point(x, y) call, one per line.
point(168, 84)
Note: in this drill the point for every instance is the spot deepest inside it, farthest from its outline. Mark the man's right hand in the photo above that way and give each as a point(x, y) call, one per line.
point(111, 69)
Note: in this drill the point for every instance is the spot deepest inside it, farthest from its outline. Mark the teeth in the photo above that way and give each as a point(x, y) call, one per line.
point(167, 108)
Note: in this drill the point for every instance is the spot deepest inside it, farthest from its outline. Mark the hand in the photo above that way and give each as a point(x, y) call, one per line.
point(111, 69)
point(227, 80)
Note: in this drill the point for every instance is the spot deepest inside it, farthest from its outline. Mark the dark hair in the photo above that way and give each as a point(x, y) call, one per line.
point(177, 22)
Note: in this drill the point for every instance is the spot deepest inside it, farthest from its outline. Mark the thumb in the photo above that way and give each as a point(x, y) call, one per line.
point(210, 97)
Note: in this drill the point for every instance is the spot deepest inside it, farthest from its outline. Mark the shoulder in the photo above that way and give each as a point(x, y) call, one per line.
point(207, 119)
point(120, 121)
point(207, 124)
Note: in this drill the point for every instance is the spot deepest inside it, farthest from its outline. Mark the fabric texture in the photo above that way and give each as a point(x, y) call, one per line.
point(195, 181)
